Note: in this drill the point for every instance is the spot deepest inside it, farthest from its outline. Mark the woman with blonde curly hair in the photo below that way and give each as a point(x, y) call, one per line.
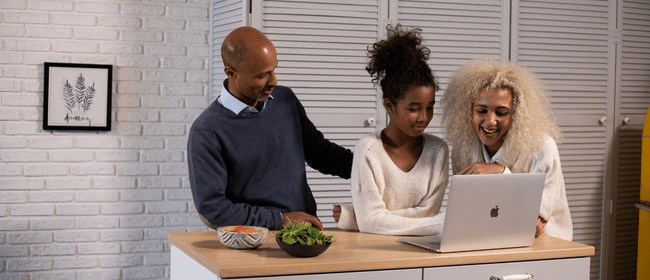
point(498, 120)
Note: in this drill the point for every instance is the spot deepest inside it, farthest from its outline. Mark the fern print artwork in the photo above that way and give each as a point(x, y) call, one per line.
point(78, 97)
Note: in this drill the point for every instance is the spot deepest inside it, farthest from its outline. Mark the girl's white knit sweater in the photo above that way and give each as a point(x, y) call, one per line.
point(387, 200)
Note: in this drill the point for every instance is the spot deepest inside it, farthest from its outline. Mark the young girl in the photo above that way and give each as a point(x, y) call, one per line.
point(399, 174)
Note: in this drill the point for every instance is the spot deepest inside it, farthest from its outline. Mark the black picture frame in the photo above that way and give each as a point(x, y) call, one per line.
point(77, 96)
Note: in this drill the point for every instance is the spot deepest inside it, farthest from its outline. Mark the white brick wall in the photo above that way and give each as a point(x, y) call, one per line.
point(99, 205)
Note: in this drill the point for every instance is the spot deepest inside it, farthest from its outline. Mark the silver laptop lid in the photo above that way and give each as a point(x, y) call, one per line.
point(492, 211)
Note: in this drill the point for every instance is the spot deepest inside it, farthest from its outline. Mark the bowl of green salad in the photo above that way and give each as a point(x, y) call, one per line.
point(303, 240)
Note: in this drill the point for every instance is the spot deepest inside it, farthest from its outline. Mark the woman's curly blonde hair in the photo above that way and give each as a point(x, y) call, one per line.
point(531, 118)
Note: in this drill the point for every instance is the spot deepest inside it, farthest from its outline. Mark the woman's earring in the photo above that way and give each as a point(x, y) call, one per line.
point(390, 112)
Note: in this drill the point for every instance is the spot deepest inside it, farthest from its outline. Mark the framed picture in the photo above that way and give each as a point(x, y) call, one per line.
point(77, 96)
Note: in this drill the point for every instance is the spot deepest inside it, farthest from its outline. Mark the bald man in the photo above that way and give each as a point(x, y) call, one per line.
point(247, 150)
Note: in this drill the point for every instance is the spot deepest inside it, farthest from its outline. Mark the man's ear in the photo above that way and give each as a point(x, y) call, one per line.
point(230, 72)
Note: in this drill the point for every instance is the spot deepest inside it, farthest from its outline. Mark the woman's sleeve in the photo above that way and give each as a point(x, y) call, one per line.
point(370, 210)
point(554, 207)
point(548, 162)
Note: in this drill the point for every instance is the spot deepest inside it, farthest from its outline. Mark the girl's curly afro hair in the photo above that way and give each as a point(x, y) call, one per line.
point(399, 63)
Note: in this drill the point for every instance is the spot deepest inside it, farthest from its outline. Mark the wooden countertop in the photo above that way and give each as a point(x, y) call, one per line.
point(354, 251)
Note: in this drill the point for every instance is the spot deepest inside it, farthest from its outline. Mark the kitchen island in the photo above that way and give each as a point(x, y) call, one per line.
point(354, 255)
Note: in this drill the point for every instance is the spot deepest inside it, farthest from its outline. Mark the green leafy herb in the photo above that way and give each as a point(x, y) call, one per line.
point(303, 234)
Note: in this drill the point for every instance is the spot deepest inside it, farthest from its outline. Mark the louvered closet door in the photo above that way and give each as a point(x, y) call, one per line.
point(634, 96)
point(321, 49)
point(456, 32)
point(567, 46)
point(225, 16)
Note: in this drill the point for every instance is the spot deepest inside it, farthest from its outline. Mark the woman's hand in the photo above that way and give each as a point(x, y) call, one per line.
point(336, 212)
point(541, 224)
point(482, 168)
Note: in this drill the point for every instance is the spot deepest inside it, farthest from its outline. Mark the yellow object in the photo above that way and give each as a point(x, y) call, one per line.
point(643, 263)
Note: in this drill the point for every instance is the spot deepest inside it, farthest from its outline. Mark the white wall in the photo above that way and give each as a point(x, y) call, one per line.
point(99, 205)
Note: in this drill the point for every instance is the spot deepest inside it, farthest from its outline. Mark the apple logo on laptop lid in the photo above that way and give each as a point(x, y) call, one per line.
point(494, 212)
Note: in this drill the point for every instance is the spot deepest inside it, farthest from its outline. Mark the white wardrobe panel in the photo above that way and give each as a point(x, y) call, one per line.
point(225, 16)
point(321, 49)
point(567, 45)
point(456, 31)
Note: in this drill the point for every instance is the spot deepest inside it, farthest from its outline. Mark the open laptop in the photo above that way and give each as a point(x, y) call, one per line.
point(488, 211)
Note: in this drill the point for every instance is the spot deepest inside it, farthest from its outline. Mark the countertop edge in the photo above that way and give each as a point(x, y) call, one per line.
point(351, 266)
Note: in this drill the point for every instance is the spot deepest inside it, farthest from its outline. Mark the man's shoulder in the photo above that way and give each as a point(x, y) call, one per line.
point(282, 93)
point(282, 89)
point(209, 117)
point(284, 97)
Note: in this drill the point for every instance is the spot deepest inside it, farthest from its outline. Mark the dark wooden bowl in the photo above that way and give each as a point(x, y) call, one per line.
point(303, 251)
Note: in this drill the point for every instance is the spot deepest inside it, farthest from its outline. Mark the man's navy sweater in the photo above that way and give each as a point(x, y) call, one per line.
point(248, 168)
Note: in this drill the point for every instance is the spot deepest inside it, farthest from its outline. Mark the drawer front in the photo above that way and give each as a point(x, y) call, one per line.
point(401, 274)
point(558, 269)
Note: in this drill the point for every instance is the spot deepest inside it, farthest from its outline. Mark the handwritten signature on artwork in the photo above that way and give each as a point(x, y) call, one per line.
point(68, 118)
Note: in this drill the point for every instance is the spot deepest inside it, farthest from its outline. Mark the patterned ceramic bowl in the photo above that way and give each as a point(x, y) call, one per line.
point(242, 237)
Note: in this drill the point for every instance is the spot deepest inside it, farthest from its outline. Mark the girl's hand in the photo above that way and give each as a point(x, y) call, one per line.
point(336, 212)
point(482, 168)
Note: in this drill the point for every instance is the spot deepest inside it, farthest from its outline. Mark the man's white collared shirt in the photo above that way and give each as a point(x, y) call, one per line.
point(233, 104)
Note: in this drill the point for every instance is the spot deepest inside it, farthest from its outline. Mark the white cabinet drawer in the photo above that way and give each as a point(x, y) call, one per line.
point(559, 269)
point(401, 274)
